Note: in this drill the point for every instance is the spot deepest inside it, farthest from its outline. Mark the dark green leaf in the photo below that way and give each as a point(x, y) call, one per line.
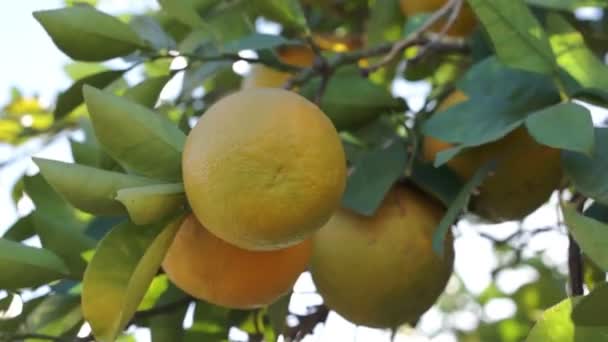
point(72, 97)
point(588, 174)
point(568, 4)
point(183, 11)
point(385, 22)
point(151, 203)
point(167, 327)
point(138, 138)
point(441, 182)
point(257, 41)
point(89, 189)
point(210, 318)
point(591, 309)
point(590, 234)
point(121, 270)
point(277, 312)
point(21, 230)
point(23, 266)
point(146, 92)
point(287, 12)
point(351, 101)
point(150, 31)
point(598, 212)
point(549, 126)
point(84, 33)
point(459, 204)
point(519, 39)
point(195, 76)
point(373, 176)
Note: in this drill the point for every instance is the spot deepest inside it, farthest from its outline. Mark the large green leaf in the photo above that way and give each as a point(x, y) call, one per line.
point(591, 309)
point(21, 230)
point(573, 55)
point(84, 33)
point(518, 38)
point(493, 108)
point(72, 97)
point(184, 11)
point(139, 139)
point(351, 101)
point(550, 125)
point(588, 174)
point(121, 270)
point(440, 182)
point(147, 91)
point(556, 325)
point(373, 176)
point(590, 234)
point(89, 189)
point(57, 225)
point(151, 203)
point(151, 32)
point(23, 266)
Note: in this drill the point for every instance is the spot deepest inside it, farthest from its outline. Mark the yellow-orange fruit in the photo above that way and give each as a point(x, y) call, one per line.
point(464, 24)
point(263, 76)
point(381, 271)
point(526, 175)
point(210, 269)
point(263, 168)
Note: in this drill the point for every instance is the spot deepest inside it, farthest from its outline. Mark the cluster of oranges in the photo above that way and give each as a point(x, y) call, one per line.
point(264, 172)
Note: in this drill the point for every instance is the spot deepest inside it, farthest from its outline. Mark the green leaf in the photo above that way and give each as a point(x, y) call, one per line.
point(210, 318)
point(23, 266)
point(167, 326)
point(385, 22)
point(287, 12)
point(121, 270)
point(257, 41)
point(277, 312)
point(588, 174)
point(84, 33)
point(573, 55)
point(21, 230)
point(590, 234)
point(78, 70)
point(138, 138)
point(14, 324)
point(590, 310)
point(567, 5)
point(184, 11)
point(195, 76)
point(440, 182)
point(152, 33)
point(459, 204)
point(549, 126)
point(147, 91)
point(598, 212)
point(518, 38)
point(494, 108)
point(89, 189)
point(56, 224)
point(556, 325)
point(68, 100)
point(151, 203)
point(55, 315)
point(372, 177)
point(351, 101)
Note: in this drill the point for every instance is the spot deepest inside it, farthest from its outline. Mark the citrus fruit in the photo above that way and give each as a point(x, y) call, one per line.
point(526, 175)
point(210, 269)
point(381, 271)
point(263, 168)
point(464, 24)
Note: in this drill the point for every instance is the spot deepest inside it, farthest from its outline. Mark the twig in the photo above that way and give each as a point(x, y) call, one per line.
point(307, 324)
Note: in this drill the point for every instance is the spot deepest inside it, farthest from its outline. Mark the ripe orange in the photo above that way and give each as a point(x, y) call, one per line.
point(210, 269)
point(463, 26)
point(263, 168)
point(526, 175)
point(381, 271)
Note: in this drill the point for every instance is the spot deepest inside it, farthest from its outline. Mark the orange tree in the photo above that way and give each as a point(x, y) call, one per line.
point(344, 179)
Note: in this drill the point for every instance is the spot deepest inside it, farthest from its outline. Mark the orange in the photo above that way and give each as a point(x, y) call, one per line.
point(263, 76)
point(212, 270)
point(263, 168)
point(381, 271)
point(526, 175)
point(463, 26)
